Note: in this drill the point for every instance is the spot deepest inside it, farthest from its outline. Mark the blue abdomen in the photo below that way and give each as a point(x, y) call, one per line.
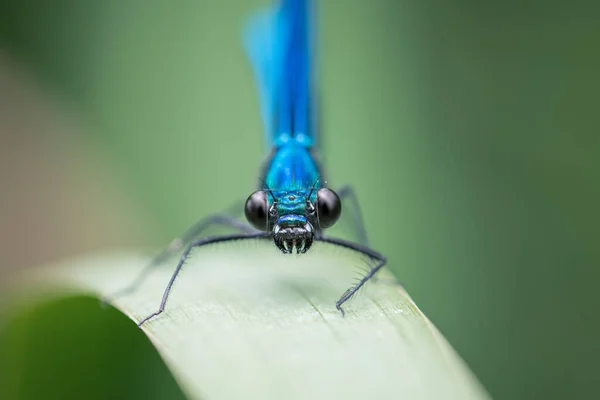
point(279, 43)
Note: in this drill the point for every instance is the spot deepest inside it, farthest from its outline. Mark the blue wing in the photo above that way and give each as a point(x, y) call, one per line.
point(279, 44)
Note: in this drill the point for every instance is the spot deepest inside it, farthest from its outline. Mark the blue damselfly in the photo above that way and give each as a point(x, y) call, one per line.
point(292, 205)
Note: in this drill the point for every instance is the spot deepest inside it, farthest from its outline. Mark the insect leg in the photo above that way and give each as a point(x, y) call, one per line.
point(177, 244)
point(198, 243)
point(346, 192)
point(381, 261)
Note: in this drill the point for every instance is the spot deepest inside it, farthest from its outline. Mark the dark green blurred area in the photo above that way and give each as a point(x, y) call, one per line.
point(64, 351)
point(469, 129)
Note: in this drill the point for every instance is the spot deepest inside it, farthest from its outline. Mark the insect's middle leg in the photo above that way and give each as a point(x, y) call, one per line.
point(177, 244)
point(347, 193)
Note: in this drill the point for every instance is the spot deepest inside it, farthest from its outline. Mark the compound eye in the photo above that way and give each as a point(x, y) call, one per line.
point(256, 210)
point(329, 207)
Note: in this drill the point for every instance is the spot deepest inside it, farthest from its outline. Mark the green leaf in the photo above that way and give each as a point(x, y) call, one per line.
point(245, 321)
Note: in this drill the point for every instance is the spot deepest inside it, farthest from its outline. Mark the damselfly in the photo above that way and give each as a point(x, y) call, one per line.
point(292, 206)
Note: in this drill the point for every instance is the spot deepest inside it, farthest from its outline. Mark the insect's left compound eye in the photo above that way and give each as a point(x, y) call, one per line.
point(256, 210)
point(329, 207)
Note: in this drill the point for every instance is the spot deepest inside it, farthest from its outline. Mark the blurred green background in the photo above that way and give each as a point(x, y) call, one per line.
point(469, 130)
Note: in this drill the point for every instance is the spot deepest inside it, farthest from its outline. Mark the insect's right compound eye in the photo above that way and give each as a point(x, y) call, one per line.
point(257, 210)
point(329, 207)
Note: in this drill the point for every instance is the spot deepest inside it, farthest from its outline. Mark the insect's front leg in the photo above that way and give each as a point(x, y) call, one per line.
point(177, 244)
point(198, 243)
point(380, 262)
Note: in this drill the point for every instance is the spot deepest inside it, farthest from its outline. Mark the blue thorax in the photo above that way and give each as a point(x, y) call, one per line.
point(292, 174)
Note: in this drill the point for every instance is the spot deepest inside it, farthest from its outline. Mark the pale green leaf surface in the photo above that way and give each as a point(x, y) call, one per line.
point(245, 321)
